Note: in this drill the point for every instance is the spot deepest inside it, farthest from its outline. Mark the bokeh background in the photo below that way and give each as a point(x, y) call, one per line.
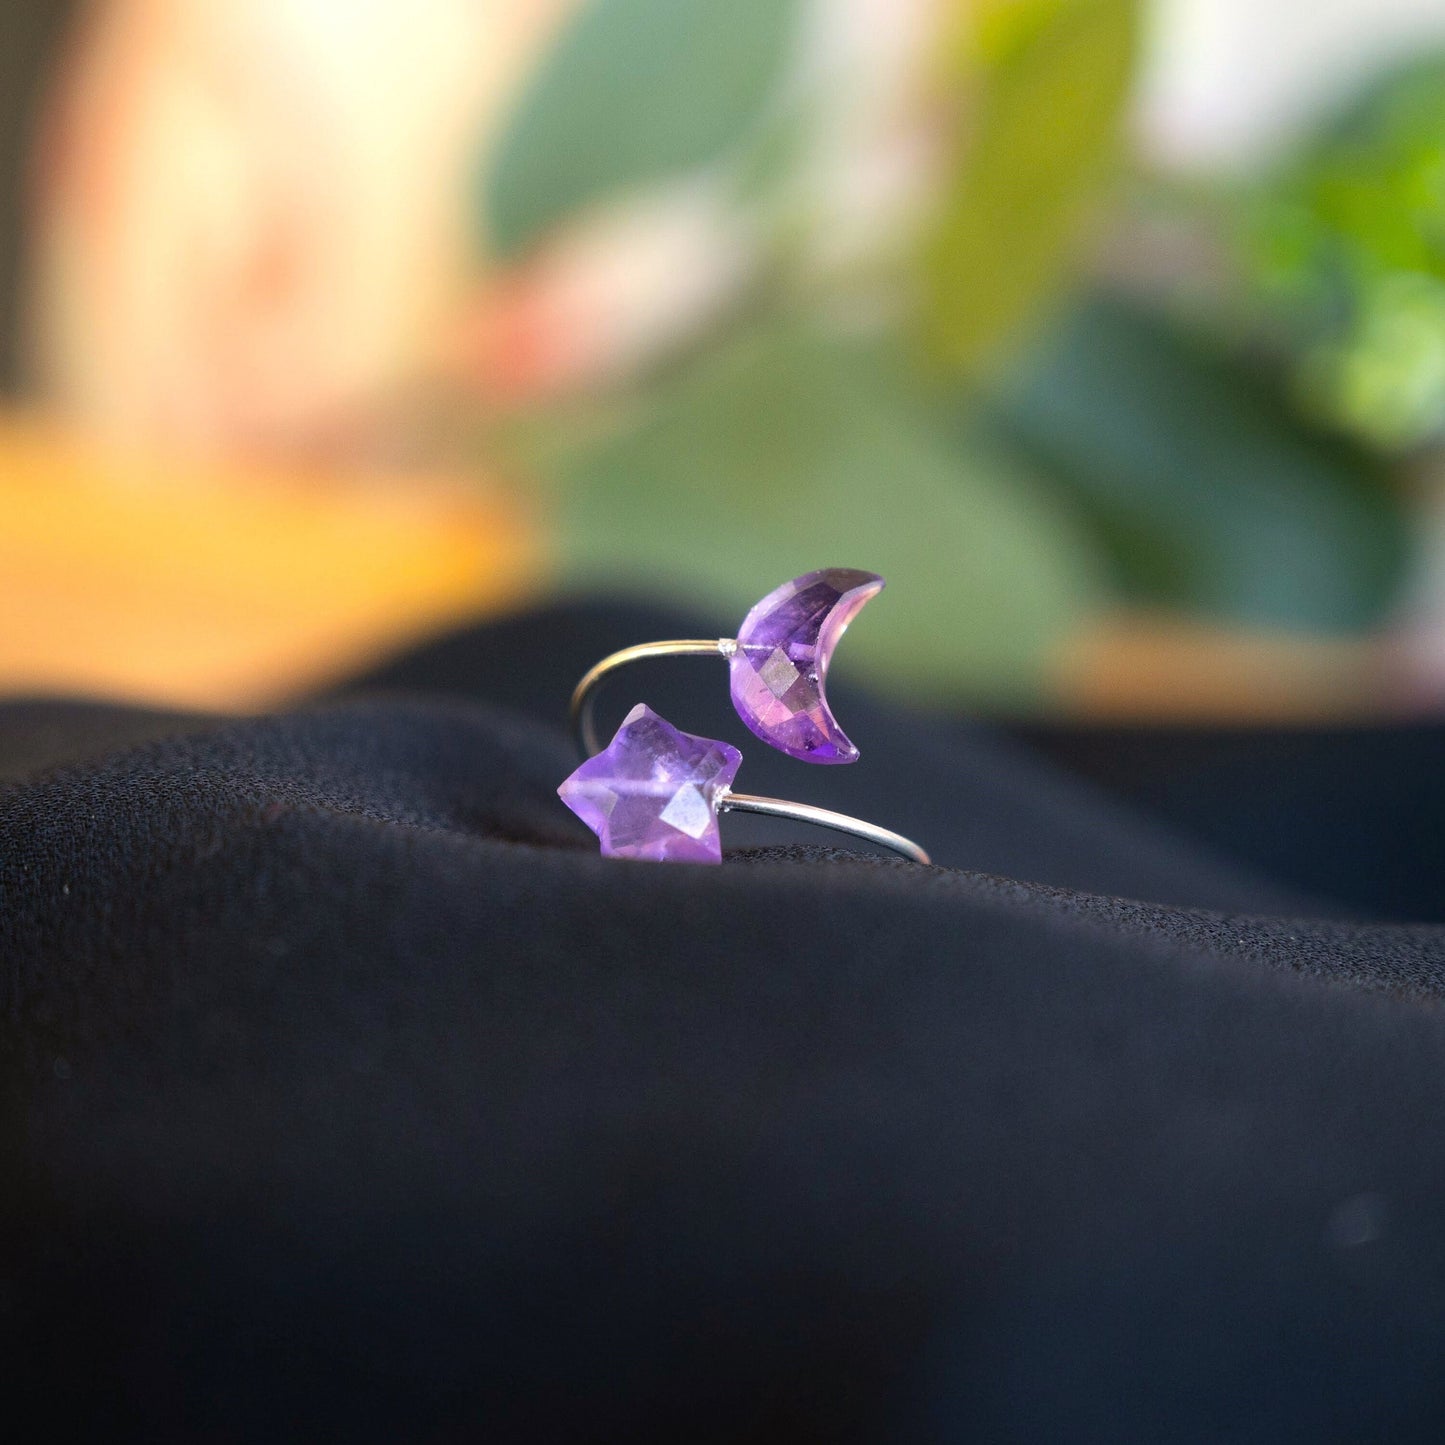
point(1111, 331)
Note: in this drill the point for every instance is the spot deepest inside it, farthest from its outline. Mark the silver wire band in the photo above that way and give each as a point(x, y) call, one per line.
point(824, 818)
point(584, 730)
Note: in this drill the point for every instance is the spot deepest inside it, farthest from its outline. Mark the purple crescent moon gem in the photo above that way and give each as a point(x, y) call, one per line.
point(781, 662)
point(653, 791)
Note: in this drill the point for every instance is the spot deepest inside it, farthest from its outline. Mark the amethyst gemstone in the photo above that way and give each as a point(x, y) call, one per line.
point(653, 791)
point(781, 662)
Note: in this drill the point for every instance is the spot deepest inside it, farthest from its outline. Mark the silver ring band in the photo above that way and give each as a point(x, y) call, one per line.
point(824, 818)
point(584, 729)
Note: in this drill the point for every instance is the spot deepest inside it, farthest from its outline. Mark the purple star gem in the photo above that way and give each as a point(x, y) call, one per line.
point(781, 662)
point(653, 791)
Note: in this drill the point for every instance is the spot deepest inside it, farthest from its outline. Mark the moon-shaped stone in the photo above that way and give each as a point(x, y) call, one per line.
point(781, 663)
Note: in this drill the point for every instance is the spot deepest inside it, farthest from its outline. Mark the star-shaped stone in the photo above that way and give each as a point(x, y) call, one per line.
point(653, 791)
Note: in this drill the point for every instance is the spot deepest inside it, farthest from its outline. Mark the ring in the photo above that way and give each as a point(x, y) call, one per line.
point(655, 792)
point(778, 665)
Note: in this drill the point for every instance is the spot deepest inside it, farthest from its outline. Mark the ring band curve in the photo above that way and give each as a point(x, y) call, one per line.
point(584, 727)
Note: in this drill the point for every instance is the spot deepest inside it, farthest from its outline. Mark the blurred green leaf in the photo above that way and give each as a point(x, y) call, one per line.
point(786, 451)
point(1048, 81)
point(1344, 250)
point(1214, 495)
point(633, 91)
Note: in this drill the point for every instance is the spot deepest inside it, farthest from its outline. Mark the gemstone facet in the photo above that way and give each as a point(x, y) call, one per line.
point(653, 791)
point(781, 662)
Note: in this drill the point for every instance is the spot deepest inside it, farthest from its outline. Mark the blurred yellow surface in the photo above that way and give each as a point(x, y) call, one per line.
point(188, 583)
point(1153, 669)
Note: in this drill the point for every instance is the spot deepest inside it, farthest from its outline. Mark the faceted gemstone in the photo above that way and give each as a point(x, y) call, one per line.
point(781, 662)
point(653, 791)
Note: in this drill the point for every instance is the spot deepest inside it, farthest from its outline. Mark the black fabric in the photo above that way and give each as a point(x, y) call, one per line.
point(350, 1094)
point(1354, 814)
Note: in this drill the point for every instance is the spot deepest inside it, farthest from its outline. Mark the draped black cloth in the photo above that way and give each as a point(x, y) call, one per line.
point(349, 1094)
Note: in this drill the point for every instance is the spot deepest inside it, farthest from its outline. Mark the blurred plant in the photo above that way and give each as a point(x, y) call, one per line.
point(1038, 90)
point(633, 92)
point(1346, 249)
point(848, 206)
point(895, 407)
point(1212, 495)
point(746, 287)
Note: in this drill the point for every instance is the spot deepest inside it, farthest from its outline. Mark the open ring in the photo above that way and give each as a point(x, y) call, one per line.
point(655, 792)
